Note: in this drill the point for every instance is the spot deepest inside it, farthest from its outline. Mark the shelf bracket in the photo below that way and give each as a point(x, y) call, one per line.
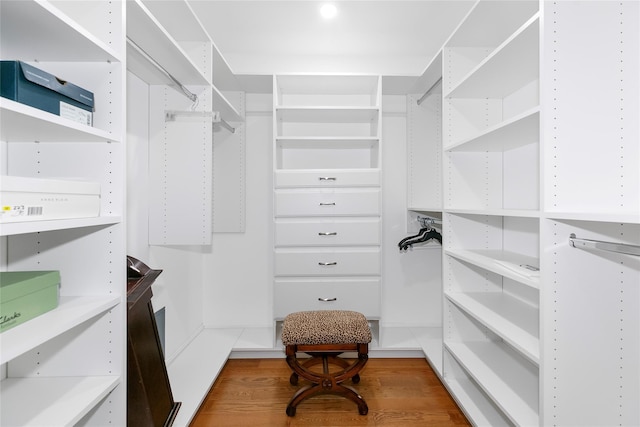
point(214, 116)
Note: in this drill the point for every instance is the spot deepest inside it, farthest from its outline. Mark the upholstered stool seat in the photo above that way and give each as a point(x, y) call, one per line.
point(324, 335)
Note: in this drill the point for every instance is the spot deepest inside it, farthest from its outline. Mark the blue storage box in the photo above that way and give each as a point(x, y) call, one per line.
point(29, 85)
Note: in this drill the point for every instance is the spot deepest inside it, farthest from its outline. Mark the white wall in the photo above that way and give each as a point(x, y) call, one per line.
point(137, 167)
point(411, 290)
point(237, 287)
point(179, 287)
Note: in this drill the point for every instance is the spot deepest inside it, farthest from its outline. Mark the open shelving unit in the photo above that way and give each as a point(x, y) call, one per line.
point(67, 366)
point(511, 385)
point(491, 213)
point(523, 169)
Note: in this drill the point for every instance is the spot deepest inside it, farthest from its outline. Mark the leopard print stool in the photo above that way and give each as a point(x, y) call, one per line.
point(324, 335)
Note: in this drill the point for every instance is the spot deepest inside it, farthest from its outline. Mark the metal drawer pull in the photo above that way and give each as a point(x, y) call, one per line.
point(328, 299)
point(328, 204)
point(328, 233)
point(327, 178)
point(328, 263)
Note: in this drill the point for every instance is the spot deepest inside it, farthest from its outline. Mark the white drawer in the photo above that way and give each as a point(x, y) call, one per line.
point(327, 202)
point(327, 178)
point(327, 262)
point(327, 232)
point(362, 295)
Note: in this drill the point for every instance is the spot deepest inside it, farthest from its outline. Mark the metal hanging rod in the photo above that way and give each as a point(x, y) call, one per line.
point(426, 221)
point(423, 97)
point(227, 126)
point(170, 116)
point(622, 248)
point(186, 92)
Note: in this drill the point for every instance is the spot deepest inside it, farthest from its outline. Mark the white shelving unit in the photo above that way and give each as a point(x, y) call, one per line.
point(535, 331)
point(67, 366)
point(327, 202)
point(491, 213)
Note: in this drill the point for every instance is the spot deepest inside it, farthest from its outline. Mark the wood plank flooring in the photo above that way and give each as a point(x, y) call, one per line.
point(399, 392)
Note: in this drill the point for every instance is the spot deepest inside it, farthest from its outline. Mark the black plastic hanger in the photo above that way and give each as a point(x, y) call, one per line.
point(420, 238)
point(422, 231)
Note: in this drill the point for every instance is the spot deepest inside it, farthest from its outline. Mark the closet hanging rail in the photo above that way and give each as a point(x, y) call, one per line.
point(170, 116)
point(427, 221)
point(423, 97)
point(227, 126)
point(622, 248)
point(186, 92)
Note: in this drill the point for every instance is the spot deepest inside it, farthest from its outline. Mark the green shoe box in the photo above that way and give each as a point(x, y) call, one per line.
point(25, 295)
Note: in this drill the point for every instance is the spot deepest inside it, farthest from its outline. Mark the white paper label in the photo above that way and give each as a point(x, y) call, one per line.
point(76, 114)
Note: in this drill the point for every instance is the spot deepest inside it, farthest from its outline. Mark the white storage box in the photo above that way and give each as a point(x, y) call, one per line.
point(36, 199)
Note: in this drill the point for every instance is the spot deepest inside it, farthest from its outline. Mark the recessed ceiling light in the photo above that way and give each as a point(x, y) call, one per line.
point(328, 11)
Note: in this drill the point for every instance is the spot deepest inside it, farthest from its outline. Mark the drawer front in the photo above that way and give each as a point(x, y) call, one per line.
point(330, 202)
point(327, 232)
point(329, 262)
point(357, 295)
point(327, 178)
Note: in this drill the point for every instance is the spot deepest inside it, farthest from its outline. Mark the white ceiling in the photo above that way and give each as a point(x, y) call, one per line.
point(367, 36)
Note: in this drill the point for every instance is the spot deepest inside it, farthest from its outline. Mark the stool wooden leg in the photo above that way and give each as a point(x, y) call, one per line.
point(293, 379)
point(326, 382)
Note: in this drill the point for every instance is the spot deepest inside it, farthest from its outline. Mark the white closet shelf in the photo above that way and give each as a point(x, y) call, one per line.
point(178, 19)
point(505, 263)
point(71, 312)
point(330, 142)
point(336, 114)
point(208, 351)
point(477, 408)
point(39, 30)
point(310, 84)
point(228, 112)
point(149, 34)
point(511, 66)
point(15, 228)
point(430, 340)
point(489, 23)
point(517, 213)
point(433, 209)
point(517, 131)
point(511, 384)
point(511, 319)
point(618, 217)
point(52, 401)
point(23, 123)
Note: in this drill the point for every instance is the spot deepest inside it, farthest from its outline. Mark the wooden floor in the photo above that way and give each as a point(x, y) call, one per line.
point(399, 392)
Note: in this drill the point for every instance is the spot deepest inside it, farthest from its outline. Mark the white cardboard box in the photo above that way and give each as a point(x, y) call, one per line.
point(36, 199)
